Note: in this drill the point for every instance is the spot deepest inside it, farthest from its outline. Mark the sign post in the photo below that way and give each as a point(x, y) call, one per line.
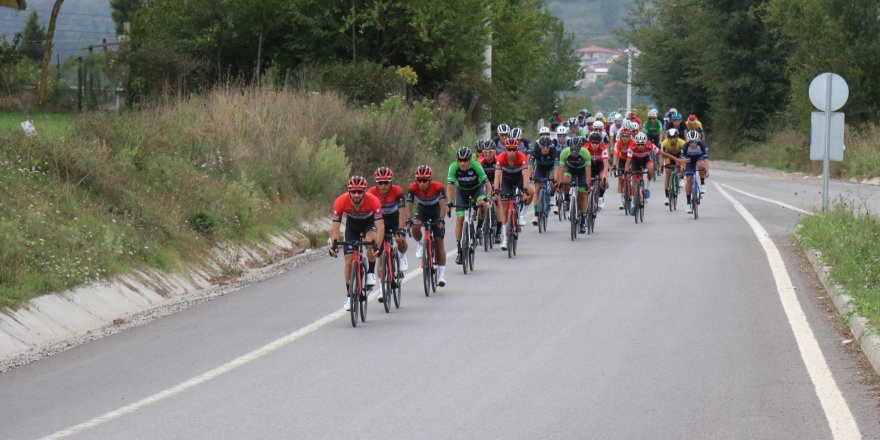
point(828, 92)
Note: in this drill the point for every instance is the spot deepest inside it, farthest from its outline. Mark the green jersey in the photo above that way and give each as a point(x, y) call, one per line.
point(570, 160)
point(467, 180)
point(653, 129)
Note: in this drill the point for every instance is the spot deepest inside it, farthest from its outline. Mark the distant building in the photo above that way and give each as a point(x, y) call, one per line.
point(595, 62)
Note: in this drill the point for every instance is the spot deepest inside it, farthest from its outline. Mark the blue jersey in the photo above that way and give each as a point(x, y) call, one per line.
point(695, 150)
point(544, 161)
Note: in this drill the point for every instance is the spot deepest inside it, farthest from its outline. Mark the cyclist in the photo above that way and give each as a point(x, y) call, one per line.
point(639, 157)
point(631, 116)
point(667, 118)
point(672, 145)
point(363, 214)
point(653, 129)
point(392, 200)
point(693, 123)
point(601, 117)
point(541, 163)
point(561, 136)
point(467, 178)
point(503, 131)
point(488, 160)
point(525, 144)
point(695, 154)
point(432, 206)
point(599, 127)
point(599, 163)
point(573, 167)
point(512, 172)
point(621, 147)
point(677, 123)
point(555, 120)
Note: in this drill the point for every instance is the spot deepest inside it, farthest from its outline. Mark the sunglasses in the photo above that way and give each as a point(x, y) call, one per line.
point(423, 180)
point(383, 182)
point(464, 160)
point(356, 192)
point(594, 143)
point(511, 149)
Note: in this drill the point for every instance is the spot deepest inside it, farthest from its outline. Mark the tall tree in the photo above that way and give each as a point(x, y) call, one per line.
point(123, 11)
point(33, 37)
point(47, 50)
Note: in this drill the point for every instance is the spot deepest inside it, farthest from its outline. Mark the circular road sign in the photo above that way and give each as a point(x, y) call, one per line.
point(819, 92)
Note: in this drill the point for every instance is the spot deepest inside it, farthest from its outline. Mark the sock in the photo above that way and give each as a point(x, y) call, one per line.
point(503, 231)
point(689, 198)
point(601, 193)
point(621, 197)
point(441, 270)
point(702, 181)
point(458, 245)
point(648, 184)
point(372, 267)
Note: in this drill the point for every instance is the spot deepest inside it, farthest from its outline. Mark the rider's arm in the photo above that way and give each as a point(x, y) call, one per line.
point(334, 230)
point(498, 173)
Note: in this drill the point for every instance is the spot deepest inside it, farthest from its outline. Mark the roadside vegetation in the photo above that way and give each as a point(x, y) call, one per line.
point(789, 150)
point(848, 240)
point(106, 193)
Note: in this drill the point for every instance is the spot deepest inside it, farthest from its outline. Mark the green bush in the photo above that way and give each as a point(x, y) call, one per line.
point(204, 223)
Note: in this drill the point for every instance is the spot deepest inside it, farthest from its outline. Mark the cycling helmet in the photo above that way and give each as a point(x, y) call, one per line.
point(464, 153)
point(545, 142)
point(561, 131)
point(631, 115)
point(503, 129)
point(618, 117)
point(600, 115)
point(510, 144)
point(516, 133)
point(693, 135)
point(692, 118)
point(479, 145)
point(676, 116)
point(544, 131)
point(489, 145)
point(595, 137)
point(589, 120)
point(570, 143)
point(357, 182)
point(672, 132)
point(672, 110)
point(634, 126)
point(579, 142)
point(383, 173)
point(652, 113)
point(423, 171)
point(572, 121)
point(641, 138)
point(598, 124)
point(582, 112)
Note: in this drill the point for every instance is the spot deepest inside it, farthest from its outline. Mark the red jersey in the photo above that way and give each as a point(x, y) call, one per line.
point(641, 152)
point(392, 201)
point(370, 208)
point(517, 164)
point(436, 191)
point(599, 153)
point(488, 167)
point(622, 147)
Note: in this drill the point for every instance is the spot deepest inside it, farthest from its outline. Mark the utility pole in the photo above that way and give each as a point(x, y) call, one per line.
point(487, 72)
point(629, 78)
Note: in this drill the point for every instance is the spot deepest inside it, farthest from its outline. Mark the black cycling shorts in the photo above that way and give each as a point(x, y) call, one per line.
point(431, 212)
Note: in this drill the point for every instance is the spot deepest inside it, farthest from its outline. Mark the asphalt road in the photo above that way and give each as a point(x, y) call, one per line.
point(669, 329)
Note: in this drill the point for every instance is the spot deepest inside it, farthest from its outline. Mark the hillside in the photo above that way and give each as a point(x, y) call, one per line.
point(591, 21)
point(80, 23)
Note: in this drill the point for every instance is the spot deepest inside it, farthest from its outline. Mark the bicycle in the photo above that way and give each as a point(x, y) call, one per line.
point(468, 234)
point(490, 226)
point(638, 196)
point(391, 279)
point(695, 194)
point(357, 278)
point(627, 194)
point(513, 204)
point(593, 204)
point(543, 204)
point(574, 212)
point(429, 266)
point(561, 207)
point(672, 189)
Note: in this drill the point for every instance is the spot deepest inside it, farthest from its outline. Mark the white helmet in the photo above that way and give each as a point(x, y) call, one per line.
point(561, 131)
point(634, 126)
point(544, 131)
point(693, 135)
point(503, 129)
point(599, 115)
point(516, 133)
point(652, 113)
point(641, 138)
point(598, 124)
point(618, 117)
point(672, 133)
point(672, 110)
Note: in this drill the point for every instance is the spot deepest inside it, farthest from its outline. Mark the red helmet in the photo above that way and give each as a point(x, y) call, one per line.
point(510, 144)
point(631, 115)
point(423, 171)
point(383, 173)
point(357, 182)
point(692, 118)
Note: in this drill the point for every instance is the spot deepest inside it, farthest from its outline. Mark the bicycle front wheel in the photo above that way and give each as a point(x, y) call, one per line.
point(398, 279)
point(465, 246)
point(354, 293)
point(386, 280)
point(426, 269)
point(509, 236)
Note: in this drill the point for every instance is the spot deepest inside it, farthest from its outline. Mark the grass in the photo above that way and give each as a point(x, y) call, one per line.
point(789, 150)
point(51, 125)
point(850, 244)
point(108, 193)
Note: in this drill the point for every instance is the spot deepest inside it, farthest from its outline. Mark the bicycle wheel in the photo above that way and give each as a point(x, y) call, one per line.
point(515, 240)
point(627, 197)
point(398, 278)
point(465, 245)
point(426, 269)
point(354, 292)
point(363, 295)
point(637, 201)
point(472, 249)
point(387, 275)
point(696, 203)
point(671, 197)
point(510, 232)
point(487, 231)
point(433, 267)
point(573, 215)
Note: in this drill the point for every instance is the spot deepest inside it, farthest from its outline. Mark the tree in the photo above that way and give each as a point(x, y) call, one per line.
point(123, 11)
point(47, 50)
point(33, 38)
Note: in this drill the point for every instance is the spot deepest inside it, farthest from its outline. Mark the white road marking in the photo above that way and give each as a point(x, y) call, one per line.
point(775, 202)
point(837, 412)
point(216, 372)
